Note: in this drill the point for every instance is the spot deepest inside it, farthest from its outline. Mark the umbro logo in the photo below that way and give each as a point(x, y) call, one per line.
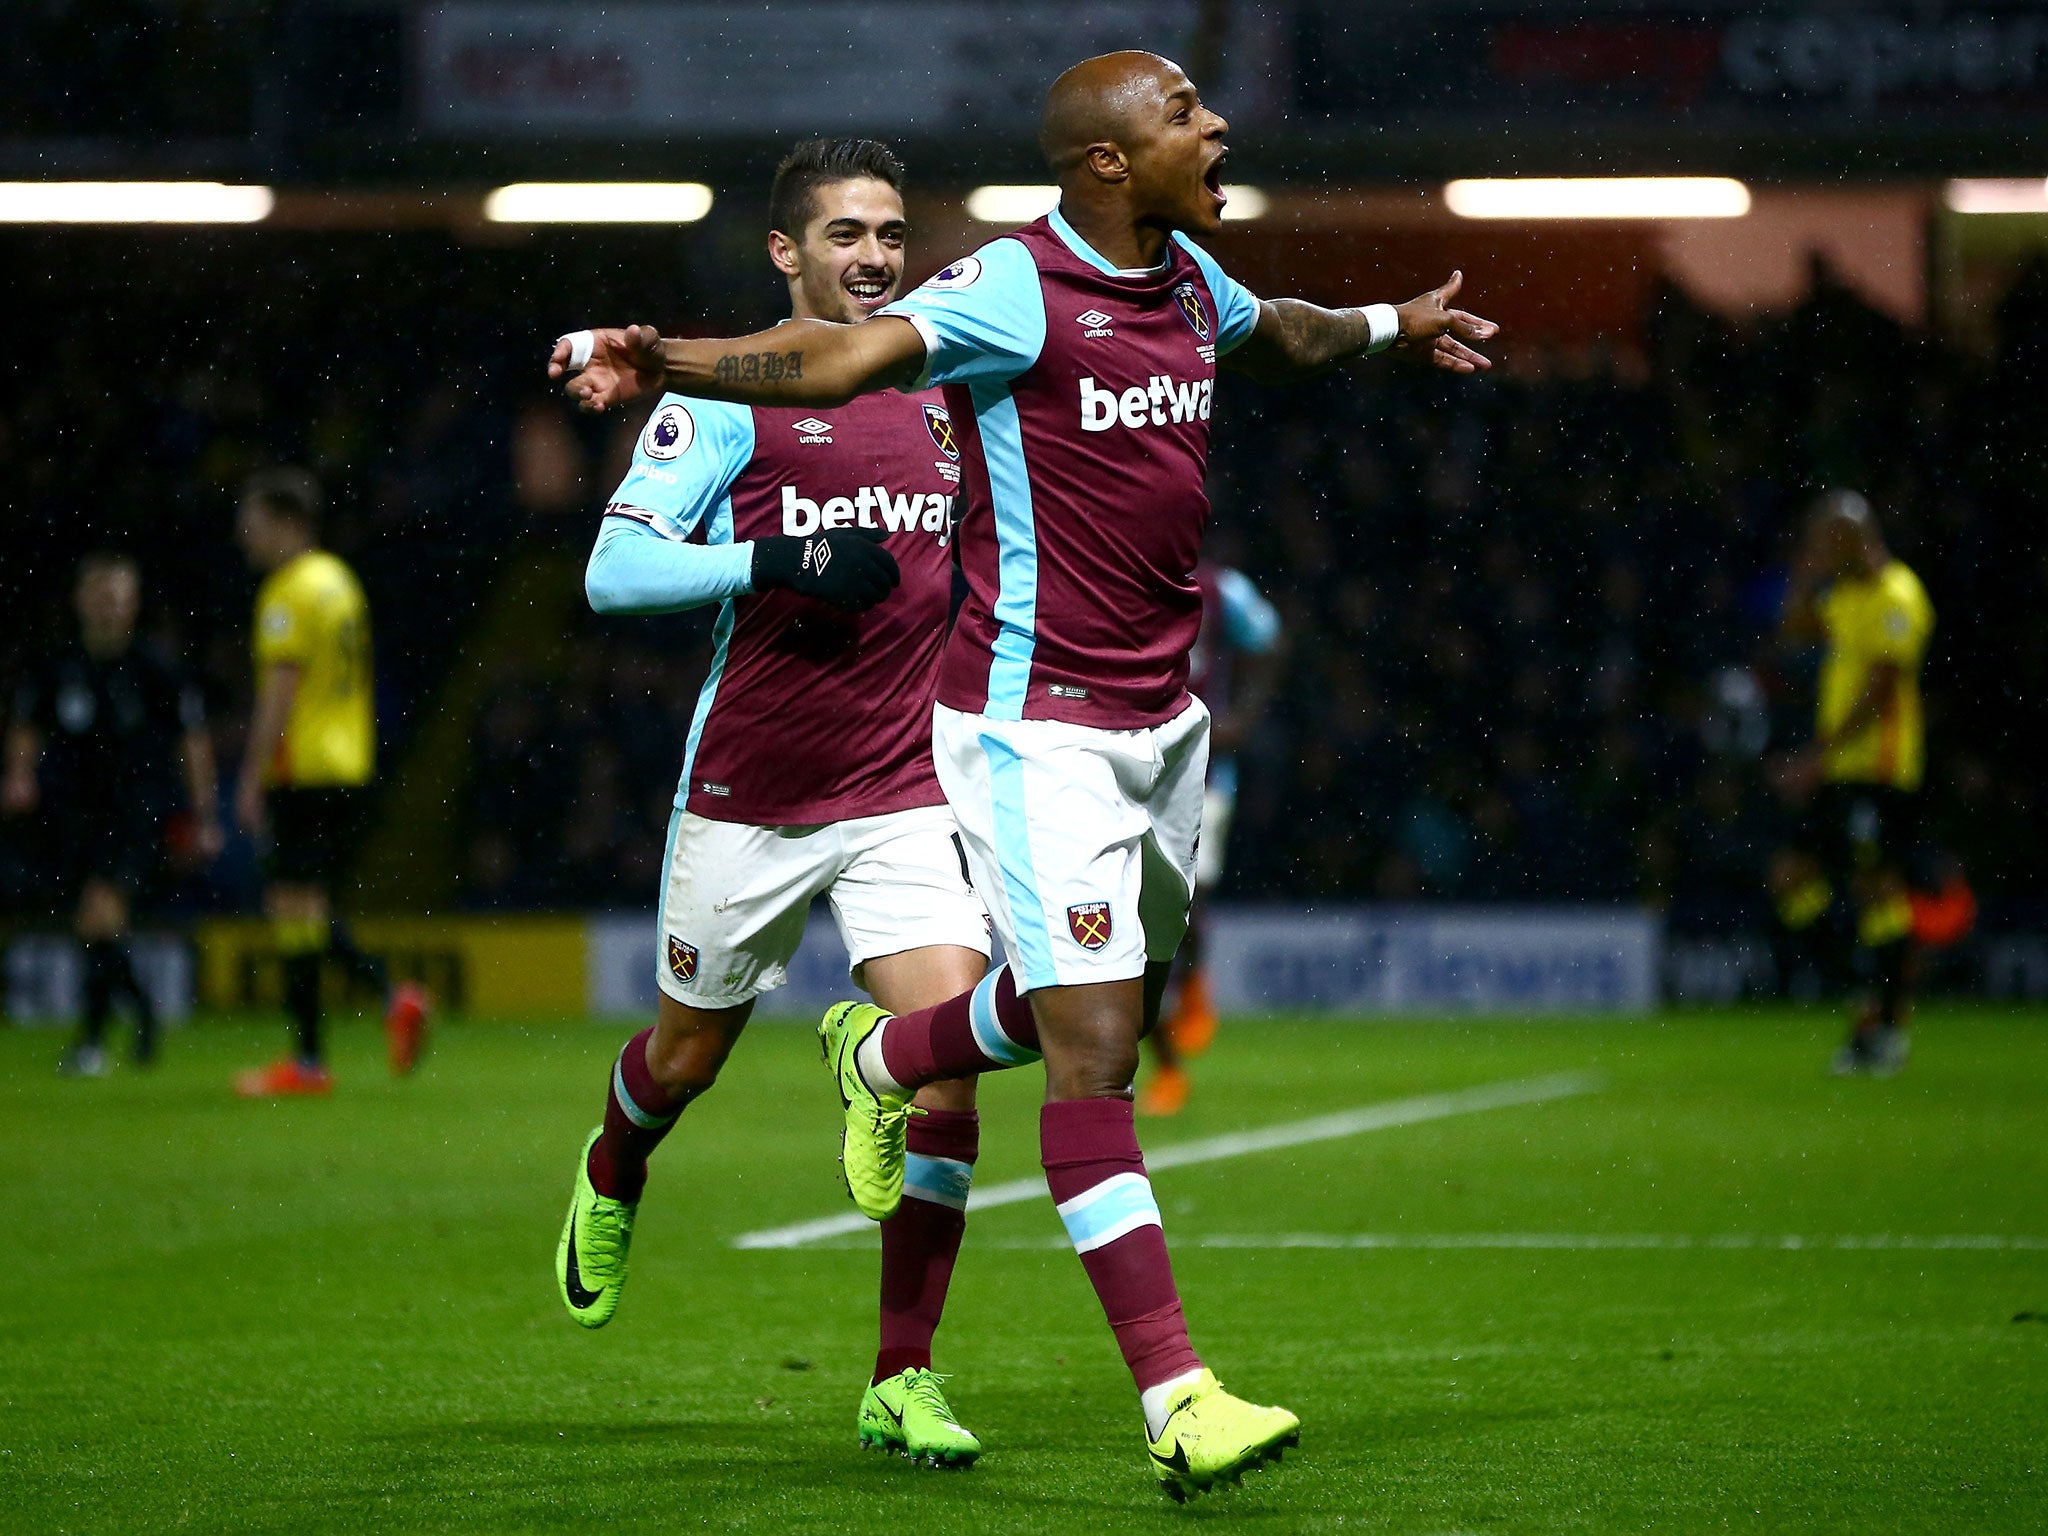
point(1095, 323)
point(813, 430)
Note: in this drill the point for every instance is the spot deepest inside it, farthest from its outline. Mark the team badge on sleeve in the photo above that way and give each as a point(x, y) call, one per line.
point(939, 423)
point(1089, 923)
point(1192, 309)
point(669, 433)
point(682, 959)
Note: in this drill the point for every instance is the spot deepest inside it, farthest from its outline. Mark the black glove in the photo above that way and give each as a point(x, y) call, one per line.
point(847, 567)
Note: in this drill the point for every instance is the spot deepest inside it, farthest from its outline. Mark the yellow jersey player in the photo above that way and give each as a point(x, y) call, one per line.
point(1863, 768)
point(311, 753)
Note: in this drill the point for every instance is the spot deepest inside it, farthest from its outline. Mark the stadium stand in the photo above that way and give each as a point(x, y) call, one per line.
point(1532, 616)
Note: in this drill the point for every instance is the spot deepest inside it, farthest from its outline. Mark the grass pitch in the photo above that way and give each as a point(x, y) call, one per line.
point(1721, 1292)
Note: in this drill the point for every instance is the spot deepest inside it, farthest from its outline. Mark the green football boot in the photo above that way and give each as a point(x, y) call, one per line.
point(871, 1147)
point(1211, 1437)
point(590, 1260)
point(909, 1415)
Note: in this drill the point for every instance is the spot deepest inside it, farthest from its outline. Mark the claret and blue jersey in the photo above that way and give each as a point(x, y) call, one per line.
point(809, 715)
point(1082, 397)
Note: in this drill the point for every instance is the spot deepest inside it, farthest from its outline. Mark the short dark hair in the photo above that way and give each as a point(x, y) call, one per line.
point(793, 199)
point(287, 492)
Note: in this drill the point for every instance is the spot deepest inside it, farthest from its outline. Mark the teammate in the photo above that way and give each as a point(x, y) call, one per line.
point(1078, 357)
point(1232, 671)
point(1864, 765)
point(311, 752)
point(110, 722)
point(808, 768)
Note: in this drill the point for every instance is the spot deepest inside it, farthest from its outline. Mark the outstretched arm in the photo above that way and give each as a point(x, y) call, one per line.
point(1296, 340)
point(801, 362)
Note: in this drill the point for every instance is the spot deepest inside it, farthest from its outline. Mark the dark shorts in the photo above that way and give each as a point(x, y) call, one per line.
point(312, 833)
point(1851, 828)
point(123, 850)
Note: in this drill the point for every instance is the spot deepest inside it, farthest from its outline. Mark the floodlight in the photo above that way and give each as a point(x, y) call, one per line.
point(599, 202)
point(1983, 195)
point(1011, 205)
point(132, 202)
point(1599, 197)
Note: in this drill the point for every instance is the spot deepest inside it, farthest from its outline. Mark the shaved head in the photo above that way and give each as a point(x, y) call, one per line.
point(1135, 152)
point(1103, 100)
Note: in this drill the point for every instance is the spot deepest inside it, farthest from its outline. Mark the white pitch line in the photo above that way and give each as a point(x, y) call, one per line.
point(1840, 1242)
point(1294, 1133)
point(1579, 1242)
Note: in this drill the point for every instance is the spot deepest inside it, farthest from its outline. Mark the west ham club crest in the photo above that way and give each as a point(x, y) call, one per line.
point(1089, 923)
point(939, 423)
point(682, 959)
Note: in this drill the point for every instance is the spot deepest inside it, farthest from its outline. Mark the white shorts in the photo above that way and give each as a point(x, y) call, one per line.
point(735, 898)
point(1082, 840)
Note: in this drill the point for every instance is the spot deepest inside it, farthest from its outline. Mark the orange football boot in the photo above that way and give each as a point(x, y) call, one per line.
point(405, 1027)
point(284, 1079)
point(1165, 1092)
point(1194, 1020)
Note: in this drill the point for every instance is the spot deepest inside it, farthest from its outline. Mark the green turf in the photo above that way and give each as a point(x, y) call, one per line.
point(340, 1316)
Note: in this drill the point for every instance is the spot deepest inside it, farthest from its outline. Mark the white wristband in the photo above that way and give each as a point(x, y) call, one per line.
point(1384, 322)
point(583, 343)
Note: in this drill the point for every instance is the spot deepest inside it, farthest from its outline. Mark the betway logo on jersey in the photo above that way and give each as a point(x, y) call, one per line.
point(1152, 404)
point(872, 507)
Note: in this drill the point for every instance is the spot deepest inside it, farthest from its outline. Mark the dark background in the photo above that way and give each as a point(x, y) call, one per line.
point(1529, 618)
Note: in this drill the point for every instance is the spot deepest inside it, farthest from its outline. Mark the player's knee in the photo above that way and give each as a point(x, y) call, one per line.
point(1105, 1070)
point(690, 1045)
point(687, 1062)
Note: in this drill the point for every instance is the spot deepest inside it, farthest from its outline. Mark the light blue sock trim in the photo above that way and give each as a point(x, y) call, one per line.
point(989, 1037)
point(1118, 1205)
point(941, 1180)
point(634, 1112)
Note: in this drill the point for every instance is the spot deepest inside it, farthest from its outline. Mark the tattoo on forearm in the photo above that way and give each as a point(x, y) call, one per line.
point(758, 367)
point(1315, 336)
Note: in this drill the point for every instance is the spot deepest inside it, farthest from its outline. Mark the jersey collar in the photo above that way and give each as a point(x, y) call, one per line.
point(1095, 258)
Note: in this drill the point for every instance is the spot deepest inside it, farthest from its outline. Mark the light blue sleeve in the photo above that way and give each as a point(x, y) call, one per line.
point(685, 461)
point(635, 569)
point(680, 480)
point(1250, 623)
point(1237, 311)
point(982, 318)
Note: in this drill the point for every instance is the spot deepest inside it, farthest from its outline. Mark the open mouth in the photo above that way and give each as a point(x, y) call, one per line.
point(1212, 179)
point(869, 292)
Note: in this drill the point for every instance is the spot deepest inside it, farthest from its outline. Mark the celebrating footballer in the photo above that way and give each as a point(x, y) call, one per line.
point(1071, 753)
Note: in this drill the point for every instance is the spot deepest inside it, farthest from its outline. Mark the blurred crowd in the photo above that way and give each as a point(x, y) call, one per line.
point(1530, 622)
point(1529, 618)
point(1533, 617)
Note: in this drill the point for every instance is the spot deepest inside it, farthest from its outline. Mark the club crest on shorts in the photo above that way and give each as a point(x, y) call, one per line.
point(1089, 922)
point(939, 422)
point(1192, 309)
point(682, 959)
